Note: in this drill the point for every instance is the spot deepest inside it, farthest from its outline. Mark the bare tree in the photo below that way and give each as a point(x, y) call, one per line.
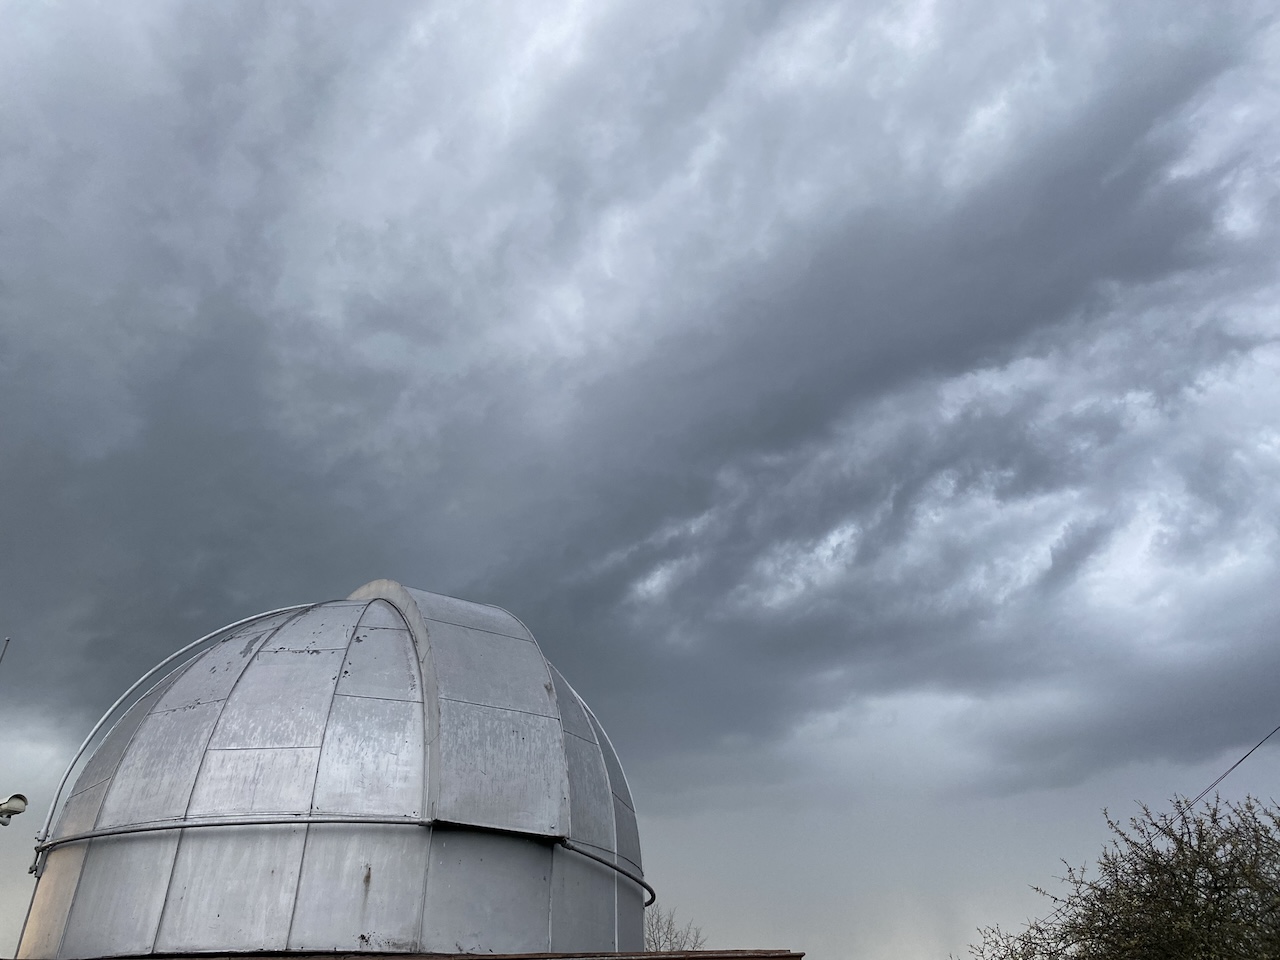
point(663, 932)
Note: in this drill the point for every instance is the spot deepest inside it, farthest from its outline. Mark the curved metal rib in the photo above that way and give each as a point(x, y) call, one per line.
point(278, 820)
point(43, 835)
point(129, 828)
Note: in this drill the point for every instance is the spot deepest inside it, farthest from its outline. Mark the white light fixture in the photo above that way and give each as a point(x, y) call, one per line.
point(11, 807)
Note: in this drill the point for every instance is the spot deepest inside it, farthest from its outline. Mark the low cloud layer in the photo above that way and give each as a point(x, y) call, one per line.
point(842, 395)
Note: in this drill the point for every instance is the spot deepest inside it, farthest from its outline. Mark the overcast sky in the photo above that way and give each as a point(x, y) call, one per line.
point(872, 407)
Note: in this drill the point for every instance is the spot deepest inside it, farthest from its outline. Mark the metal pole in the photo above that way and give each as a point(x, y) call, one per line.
point(4, 649)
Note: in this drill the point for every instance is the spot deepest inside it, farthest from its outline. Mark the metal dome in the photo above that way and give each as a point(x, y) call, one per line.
point(397, 772)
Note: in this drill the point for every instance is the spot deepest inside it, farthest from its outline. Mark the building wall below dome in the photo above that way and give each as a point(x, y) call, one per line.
point(326, 887)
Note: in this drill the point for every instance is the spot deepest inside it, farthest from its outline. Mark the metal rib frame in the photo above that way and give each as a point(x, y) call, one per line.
point(43, 835)
point(134, 828)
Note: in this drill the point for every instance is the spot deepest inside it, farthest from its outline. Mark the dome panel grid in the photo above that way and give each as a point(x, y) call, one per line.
point(102, 764)
point(218, 670)
point(274, 779)
point(396, 704)
point(158, 770)
point(233, 886)
point(373, 759)
point(120, 896)
point(381, 660)
point(380, 900)
point(282, 699)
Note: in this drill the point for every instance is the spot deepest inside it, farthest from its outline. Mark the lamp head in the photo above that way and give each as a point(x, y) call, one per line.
point(11, 807)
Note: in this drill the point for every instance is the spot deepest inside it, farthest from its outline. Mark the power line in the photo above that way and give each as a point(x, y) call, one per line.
point(1205, 792)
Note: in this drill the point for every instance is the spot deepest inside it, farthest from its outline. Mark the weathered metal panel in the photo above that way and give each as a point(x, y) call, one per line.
point(583, 904)
point(485, 668)
point(262, 624)
point(361, 888)
point(102, 763)
point(233, 890)
point(631, 897)
point(624, 819)
point(486, 893)
point(617, 779)
point(327, 626)
point(572, 715)
point(381, 615)
point(271, 780)
point(155, 777)
point(282, 700)
point(80, 812)
point(590, 801)
point(47, 918)
point(215, 671)
point(381, 663)
point(501, 768)
point(373, 759)
point(467, 614)
point(120, 897)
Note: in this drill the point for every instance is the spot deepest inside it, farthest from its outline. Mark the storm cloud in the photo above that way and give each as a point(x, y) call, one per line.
point(864, 404)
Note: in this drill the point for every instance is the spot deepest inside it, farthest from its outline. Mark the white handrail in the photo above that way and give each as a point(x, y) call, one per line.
point(43, 835)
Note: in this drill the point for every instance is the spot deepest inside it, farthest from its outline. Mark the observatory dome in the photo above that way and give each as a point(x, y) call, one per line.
point(398, 772)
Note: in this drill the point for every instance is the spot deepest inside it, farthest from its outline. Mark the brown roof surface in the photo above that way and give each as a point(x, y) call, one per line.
point(672, 955)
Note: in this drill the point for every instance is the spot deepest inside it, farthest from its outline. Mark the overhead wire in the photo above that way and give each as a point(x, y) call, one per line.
point(1205, 792)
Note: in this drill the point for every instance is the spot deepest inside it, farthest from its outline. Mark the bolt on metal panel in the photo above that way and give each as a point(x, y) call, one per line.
point(583, 901)
point(361, 888)
point(213, 674)
point(159, 768)
point(251, 781)
point(467, 614)
point(486, 893)
point(120, 897)
point(488, 669)
point(572, 714)
point(47, 918)
point(624, 819)
point(501, 769)
point(373, 760)
point(381, 615)
point(590, 800)
point(282, 700)
point(617, 779)
point(381, 662)
point(326, 626)
point(233, 890)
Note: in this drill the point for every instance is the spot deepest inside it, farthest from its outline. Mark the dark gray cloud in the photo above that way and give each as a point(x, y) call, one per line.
point(841, 395)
